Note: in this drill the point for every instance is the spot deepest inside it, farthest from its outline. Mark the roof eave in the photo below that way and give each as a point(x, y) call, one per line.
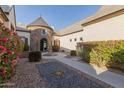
point(102, 17)
point(41, 26)
point(23, 31)
point(4, 15)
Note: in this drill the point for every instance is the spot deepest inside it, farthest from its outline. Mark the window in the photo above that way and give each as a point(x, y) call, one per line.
point(70, 40)
point(75, 39)
point(44, 32)
point(81, 38)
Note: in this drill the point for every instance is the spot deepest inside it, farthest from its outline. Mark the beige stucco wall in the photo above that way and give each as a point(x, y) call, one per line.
point(55, 38)
point(12, 18)
point(2, 20)
point(24, 34)
point(65, 40)
point(109, 29)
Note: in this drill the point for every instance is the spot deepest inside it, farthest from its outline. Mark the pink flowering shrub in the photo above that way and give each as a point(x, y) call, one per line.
point(9, 42)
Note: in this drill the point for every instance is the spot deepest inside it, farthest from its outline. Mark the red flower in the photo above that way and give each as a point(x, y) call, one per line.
point(5, 39)
point(13, 63)
point(9, 52)
point(5, 60)
point(3, 72)
point(2, 48)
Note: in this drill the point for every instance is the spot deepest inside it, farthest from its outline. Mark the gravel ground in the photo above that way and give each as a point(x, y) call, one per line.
point(70, 78)
point(26, 75)
point(46, 74)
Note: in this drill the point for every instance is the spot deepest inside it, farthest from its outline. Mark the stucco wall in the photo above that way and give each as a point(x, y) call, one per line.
point(71, 45)
point(24, 34)
point(109, 29)
point(12, 17)
point(1, 19)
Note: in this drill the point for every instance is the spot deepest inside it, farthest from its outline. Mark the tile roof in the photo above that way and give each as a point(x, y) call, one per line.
point(104, 10)
point(3, 14)
point(5, 8)
point(39, 21)
point(18, 28)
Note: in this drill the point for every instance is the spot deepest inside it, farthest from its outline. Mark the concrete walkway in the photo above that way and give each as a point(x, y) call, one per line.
point(111, 78)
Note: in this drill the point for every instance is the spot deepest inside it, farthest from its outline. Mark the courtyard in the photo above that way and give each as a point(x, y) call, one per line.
point(80, 55)
point(51, 72)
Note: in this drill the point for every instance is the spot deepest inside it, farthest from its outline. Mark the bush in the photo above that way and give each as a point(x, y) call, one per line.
point(62, 50)
point(8, 52)
point(26, 47)
point(34, 56)
point(73, 53)
point(104, 53)
point(55, 48)
point(20, 44)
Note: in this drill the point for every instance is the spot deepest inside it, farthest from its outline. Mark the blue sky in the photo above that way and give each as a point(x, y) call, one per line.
point(58, 16)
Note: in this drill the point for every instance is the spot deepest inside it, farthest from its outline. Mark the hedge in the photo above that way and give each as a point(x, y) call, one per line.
point(26, 47)
point(55, 48)
point(104, 53)
point(73, 53)
point(34, 56)
point(9, 49)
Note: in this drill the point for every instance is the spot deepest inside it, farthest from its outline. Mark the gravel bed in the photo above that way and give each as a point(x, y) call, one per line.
point(69, 78)
point(26, 75)
point(49, 73)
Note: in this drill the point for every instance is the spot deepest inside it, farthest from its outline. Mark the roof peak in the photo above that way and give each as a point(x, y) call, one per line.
point(39, 21)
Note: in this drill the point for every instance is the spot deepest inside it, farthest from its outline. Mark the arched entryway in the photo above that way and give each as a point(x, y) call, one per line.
point(43, 44)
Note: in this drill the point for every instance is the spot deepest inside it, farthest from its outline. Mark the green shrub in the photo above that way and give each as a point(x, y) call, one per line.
point(34, 56)
point(73, 53)
point(26, 47)
point(55, 48)
point(104, 53)
point(20, 44)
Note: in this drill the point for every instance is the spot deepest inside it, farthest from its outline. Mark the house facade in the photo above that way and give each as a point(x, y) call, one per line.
point(37, 34)
point(8, 17)
point(23, 33)
point(106, 24)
